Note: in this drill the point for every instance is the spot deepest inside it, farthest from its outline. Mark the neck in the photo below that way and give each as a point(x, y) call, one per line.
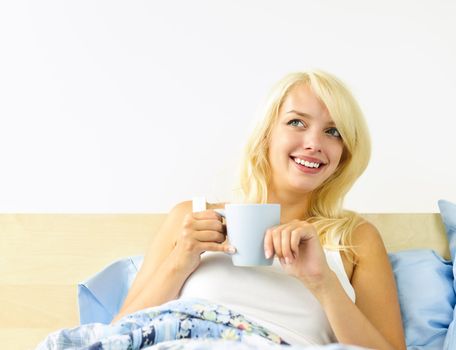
point(291, 206)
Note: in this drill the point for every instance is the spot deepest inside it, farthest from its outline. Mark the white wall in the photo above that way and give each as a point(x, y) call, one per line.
point(122, 106)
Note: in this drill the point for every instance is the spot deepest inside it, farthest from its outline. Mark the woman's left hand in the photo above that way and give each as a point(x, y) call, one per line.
point(298, 247)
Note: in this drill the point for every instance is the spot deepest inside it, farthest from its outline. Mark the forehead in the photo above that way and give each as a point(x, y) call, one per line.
point(302, 99)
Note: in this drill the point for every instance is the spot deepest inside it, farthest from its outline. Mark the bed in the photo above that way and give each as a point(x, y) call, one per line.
point(45, 256)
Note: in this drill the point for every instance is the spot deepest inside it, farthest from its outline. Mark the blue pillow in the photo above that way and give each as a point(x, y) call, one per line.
point(101, 296)
point(448, 213)
point(426, 311)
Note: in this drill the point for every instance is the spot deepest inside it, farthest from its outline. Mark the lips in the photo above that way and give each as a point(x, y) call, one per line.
point(307, 166)
point(308, 159)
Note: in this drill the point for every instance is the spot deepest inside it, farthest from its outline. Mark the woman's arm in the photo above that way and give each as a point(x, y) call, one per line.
point(158, 250)
point(375, 320)
point(376, 292)
point(173, 255)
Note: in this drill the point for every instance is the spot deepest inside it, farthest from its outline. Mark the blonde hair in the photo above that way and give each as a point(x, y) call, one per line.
point(325, 205)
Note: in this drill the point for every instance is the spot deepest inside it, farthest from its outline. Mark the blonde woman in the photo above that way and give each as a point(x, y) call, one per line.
point(332, 281)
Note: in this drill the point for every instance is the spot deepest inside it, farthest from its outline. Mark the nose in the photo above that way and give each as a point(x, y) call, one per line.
point(312, 140)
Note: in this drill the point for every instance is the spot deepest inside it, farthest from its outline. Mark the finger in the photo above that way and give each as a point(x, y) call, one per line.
point(210, 236)
point(295, 240)
point(286, 247)
point(277, 242)
point(212, 225)
point(215, 247)
point(268, 244)
point(204, 236)
point(207, 214)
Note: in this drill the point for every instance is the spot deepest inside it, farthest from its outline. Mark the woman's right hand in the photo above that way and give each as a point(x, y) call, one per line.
point(173, 255)
point(202, 231)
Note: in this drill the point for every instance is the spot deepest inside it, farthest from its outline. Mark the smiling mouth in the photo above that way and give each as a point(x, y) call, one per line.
point(307, 164)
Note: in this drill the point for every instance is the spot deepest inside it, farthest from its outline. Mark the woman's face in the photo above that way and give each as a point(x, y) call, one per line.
point(305, 147)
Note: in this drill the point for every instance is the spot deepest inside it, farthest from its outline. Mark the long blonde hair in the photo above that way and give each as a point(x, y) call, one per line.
point(325, 205)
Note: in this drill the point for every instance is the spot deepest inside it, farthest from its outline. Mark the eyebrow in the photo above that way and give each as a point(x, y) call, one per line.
point(306, 115)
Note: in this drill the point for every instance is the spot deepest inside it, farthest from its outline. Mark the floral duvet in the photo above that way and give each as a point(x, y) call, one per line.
point(190, 324)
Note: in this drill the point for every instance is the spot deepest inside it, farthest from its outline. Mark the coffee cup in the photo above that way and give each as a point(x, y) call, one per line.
point(246, 225)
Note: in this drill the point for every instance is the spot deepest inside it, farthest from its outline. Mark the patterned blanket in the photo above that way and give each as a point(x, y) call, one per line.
point(190, 324)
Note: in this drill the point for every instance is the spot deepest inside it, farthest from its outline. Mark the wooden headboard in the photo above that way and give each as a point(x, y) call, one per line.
point(44, 256)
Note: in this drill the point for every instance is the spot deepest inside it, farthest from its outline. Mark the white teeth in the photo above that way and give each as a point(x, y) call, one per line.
point(306, 163)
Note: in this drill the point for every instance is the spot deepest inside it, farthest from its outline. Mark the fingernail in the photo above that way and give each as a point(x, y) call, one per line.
point(268, 254)
point(231, 250)
point(287, 261)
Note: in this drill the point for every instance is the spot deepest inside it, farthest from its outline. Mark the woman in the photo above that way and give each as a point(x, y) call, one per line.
point(306, 154)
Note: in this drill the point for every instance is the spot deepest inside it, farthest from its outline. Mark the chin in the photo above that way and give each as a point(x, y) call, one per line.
point(304, 188)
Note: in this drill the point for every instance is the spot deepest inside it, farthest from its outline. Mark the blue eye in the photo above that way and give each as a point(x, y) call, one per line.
point(294, 122)
point(333, 132)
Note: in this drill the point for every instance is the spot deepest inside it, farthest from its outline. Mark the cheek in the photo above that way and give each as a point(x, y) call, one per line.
point(337, 153)
point(278, 145)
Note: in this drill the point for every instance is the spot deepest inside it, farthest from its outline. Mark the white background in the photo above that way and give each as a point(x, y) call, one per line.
point(133, 106)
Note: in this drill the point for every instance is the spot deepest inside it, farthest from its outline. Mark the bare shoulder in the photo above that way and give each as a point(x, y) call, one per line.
point(367, 240)
point(183, 207)
point(366, 231)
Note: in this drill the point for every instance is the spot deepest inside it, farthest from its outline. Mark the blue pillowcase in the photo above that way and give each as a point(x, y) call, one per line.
point(101, 296)
point(426, 296)
point(424, 282)
point(448, 213)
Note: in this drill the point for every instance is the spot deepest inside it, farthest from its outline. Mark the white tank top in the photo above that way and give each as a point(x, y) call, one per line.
point(267, 295)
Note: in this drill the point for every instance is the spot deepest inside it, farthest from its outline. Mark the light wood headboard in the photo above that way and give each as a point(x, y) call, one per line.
point(44, 256)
